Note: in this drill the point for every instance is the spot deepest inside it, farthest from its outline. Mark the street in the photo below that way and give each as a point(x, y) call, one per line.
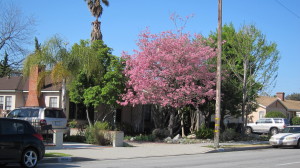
point(282, 157)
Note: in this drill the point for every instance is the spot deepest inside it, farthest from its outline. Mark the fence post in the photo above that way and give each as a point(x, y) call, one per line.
point(58, 135)
point(118, 138)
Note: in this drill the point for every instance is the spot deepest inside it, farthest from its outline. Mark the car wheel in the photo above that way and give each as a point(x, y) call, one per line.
point(275, 146)
point(29, 158)
point(298, 144)
point(248, 130)
point(274, 131)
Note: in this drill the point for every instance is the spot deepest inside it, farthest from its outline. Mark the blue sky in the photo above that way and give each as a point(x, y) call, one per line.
point(123, 20)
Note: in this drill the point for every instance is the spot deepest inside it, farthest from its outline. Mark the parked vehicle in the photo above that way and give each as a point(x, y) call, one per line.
point(267, 125)
point(20, 143)
point(41, 117)
point(290, 136)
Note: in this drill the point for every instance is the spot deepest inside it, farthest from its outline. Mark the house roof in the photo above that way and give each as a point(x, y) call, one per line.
point(18, 83)
point(291, 105)
point(10, 83)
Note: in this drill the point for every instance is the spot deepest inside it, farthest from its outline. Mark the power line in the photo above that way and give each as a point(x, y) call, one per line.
point(292, 12)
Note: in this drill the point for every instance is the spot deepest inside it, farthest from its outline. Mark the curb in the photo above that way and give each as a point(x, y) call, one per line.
point(64, 159)
point(239, 149)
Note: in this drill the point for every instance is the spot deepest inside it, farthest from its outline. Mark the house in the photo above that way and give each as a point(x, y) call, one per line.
point(290, 108)
point(18, 91)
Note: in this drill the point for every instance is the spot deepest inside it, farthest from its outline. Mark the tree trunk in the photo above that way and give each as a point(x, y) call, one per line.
point(88, 116)
point(244, 92)
point(96, 31)
point(63, 95)
point(181, 122)
point(171, 123)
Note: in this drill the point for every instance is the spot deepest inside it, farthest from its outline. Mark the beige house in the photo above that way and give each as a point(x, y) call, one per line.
point(266, 104)
point(17, 91)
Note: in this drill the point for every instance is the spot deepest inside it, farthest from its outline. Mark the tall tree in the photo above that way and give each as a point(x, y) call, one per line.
point(96, 10)
point(5, 69)
point(293, 96)
point(16, 32)
point(169, 70)
point(54, 56)
point(253, 61)
point(100, 79)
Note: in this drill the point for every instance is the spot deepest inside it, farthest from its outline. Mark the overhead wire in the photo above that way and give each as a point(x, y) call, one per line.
point(292, 12)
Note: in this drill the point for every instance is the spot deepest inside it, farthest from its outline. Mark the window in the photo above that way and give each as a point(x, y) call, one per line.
point(11, 127)
point(1, 102)
point(54, 114)
point(8, 102)
point(268, 121)
point(278, 120)
point(53, 102)
point(261, 114)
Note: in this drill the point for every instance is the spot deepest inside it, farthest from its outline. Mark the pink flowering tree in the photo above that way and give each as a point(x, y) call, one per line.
point(170, 69)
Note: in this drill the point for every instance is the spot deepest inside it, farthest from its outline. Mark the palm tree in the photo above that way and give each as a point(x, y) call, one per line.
point(54, 56)
point(96, 10)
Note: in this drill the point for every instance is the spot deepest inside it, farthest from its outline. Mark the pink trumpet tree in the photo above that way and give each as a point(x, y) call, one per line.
point(170, 69)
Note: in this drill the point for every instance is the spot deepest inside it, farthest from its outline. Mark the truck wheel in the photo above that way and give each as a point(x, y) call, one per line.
point(248, 130)
point(273, 131)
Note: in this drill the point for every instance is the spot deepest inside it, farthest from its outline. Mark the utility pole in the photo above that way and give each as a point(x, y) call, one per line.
point(218, 90)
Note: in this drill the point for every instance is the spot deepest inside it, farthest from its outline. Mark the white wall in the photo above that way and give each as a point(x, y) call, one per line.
point(51, 94)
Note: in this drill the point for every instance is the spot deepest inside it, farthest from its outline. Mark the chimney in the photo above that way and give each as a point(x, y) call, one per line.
point(33, 95)
point(280, 95)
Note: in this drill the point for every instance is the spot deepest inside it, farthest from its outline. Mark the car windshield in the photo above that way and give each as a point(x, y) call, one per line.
point(291, 130)
point(54, 113)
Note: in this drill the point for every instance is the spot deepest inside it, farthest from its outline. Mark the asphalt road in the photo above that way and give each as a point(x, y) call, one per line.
point(282, 157)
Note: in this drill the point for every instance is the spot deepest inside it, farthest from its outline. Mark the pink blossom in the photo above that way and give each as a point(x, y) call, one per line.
point(169, 69)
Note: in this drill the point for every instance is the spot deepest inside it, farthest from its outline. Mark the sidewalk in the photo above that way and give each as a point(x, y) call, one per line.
point(88, 152)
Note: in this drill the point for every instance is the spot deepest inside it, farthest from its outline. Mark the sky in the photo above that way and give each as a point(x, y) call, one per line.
point(123, 21)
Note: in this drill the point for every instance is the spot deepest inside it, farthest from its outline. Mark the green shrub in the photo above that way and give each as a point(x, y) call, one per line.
point(146, 138)
point(102, 126)
point(160, 133)
point(296, 121)
point(72, 124)
point(229, 135)
point(275, 114)
point(98, 134)
point(205, 133)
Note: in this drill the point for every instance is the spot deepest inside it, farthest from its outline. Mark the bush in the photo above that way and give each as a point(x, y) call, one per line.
point(147, 138)
point(97, 134)
point(160, 133)
point(205, 133)
point(229, 135)
point(72, 124)
point(275, 114)
point(296, 121)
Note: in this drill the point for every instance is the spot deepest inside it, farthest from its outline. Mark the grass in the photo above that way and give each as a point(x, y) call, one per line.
point(54, 154)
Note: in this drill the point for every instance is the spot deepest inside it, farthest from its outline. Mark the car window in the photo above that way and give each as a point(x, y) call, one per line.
point(54, 113)
point(278, 120)
point(268, 121)
point(291, 130)
point(13, 113)
point(260, 121)
point(10, 128)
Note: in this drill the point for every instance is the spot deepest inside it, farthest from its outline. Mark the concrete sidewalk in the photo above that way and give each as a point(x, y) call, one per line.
point(87, 152)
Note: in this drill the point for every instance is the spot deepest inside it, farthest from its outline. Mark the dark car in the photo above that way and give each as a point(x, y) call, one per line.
point(20, 143)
